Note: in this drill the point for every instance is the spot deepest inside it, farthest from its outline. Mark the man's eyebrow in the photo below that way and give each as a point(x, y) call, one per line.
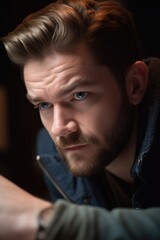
point(33, 100)
point(64, 90)
point(81, 83)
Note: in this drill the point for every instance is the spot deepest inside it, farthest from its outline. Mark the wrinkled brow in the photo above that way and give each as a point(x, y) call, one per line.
point(64, 90)
point(34, 100)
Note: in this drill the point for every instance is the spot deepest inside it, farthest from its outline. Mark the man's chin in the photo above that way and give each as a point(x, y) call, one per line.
point(83, 164)
point(77, 166)
point(82, 168)
point(77, 172)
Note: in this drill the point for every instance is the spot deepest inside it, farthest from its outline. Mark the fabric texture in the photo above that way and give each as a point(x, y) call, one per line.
point(75, 222)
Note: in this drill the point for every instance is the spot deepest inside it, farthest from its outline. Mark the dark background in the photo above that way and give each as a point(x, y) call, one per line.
point(17, 161)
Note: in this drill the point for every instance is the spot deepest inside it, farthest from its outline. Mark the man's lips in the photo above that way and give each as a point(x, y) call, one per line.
point(74, 147)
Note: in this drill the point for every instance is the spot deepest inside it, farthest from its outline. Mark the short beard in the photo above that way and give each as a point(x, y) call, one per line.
point(116, 138)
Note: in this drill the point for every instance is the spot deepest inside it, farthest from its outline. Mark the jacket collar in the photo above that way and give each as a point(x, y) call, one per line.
point(149, 115)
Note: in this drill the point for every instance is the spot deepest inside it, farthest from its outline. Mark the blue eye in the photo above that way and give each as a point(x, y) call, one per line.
point(44, 105)
point(80, 95)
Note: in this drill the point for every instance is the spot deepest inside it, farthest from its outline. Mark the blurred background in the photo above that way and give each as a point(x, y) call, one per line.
point(19, 122)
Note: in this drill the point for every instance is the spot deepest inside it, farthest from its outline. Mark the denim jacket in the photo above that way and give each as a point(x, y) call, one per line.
point(145, 170)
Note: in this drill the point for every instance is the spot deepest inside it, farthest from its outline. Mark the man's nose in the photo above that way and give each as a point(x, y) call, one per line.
point(63, 122)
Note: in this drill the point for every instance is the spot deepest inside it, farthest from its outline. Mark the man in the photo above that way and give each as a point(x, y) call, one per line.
point(100, 105)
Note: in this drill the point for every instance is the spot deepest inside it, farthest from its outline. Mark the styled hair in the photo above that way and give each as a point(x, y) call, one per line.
point(105, 26)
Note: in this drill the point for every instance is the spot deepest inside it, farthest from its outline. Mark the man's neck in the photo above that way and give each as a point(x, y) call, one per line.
point(121, 165)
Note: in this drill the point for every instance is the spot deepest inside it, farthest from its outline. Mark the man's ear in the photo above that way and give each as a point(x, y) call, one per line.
point(136, 82)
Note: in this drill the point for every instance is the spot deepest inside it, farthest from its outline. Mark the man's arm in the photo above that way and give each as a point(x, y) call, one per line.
point(19, 211)
point(73, 222)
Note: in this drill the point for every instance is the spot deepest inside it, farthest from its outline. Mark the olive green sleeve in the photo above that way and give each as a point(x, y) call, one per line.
point(79, 222)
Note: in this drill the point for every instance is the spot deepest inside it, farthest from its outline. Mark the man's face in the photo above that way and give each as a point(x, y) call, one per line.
point(82, 107)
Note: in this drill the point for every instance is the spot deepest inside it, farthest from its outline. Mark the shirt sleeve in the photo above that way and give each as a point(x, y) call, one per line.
point(79, 222)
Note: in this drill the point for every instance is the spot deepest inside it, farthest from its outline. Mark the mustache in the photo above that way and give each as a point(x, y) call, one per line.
point(75, 139)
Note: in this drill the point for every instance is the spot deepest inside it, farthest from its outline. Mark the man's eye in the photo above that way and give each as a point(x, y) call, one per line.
point(44, 105)
point(80, 95)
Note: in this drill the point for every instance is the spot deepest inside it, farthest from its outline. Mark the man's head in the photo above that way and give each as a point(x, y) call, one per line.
point(81, 71)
